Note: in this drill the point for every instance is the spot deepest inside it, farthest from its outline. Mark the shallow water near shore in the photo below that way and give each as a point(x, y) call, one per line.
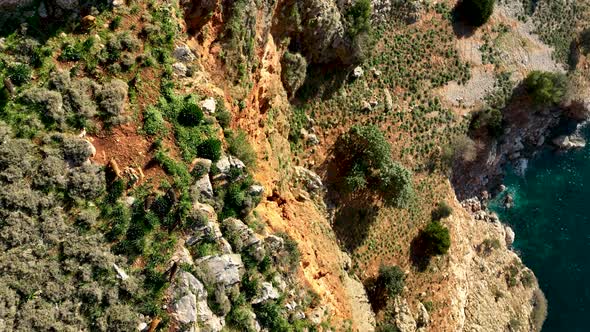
point(551, 219)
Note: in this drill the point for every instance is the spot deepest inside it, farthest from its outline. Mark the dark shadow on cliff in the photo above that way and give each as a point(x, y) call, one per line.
point(352, 220)
point(461, 29)
point(354, 212)
point(420, 254)
point(322, 81)
point(376, 293)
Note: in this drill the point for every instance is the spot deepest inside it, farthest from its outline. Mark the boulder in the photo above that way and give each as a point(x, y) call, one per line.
point(574, 141)
point(239, 234)
point(274, 244)
point(203, 163)
point(203, 187)
point(225, 270)
point(267, 292)
point(120, 272)
point(207, 210)
point(183, 53)
point(423, 317)
point(509, 236)
point(358, 72)
point(311, 180)
point(256, 190)
point(180, 69)
point(209, 105)
point(403, 316)
point(191, 306)
point(225, 163)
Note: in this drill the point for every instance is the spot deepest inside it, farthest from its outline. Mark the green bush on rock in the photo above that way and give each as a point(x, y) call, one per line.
point(436, 238)
point(546, 88)
point(364, 156)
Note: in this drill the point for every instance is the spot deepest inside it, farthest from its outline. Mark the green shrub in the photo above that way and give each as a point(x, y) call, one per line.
point(442, 210)
point(223, 116)
point(293, 71)
point(391, 279)
point(112, 98)
point(491, 119)
point(153, 122)
point(436, 238)
point(270, 315)
point(239, 146)
point(358, 17)
point(86, 182)
point(210, 149)
point(364, 156)
point(546, 88)
point(19, 73)
point(50, 103)
point(475, 12)
point(190, 115)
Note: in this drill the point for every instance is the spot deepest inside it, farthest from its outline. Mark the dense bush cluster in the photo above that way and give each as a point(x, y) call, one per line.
point(365, 156)
point(489, 119)
point(442, 210)
point(391, 279)
point(195, 136)
point(436, 238)
point(293, 71)
point(546, 88)
point(358, 17)
point(56, 275)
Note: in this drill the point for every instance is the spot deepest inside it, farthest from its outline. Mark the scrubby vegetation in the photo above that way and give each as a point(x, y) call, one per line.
point(365, 156)
point(442, 210)
point(546, 88)
point(433, 240)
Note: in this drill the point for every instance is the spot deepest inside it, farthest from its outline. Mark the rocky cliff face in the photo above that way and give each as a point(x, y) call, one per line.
point(485, 285)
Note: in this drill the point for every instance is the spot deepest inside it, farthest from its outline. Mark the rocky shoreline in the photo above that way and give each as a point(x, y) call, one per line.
point(526, 134)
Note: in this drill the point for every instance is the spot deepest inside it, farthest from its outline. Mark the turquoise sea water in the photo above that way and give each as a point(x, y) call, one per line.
point(551, 219)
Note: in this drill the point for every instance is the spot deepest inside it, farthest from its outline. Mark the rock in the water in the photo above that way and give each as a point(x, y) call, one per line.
point(183, 53)
point(520, 166)
point(209, 105)
point(570, 142)
point(403, 316)
point(509, 236)
point(267, 292)
point(226, 270)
